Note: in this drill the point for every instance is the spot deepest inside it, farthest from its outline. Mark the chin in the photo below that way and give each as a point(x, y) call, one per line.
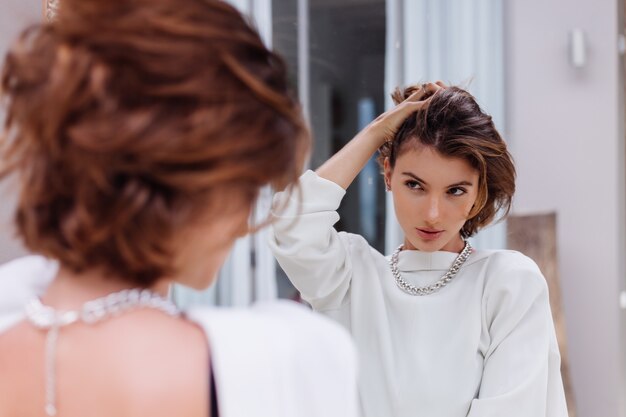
point(423, 246)
point(430, 245)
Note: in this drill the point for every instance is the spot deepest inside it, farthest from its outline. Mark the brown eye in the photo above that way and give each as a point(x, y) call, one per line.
point(457, 191)
point(413, 185)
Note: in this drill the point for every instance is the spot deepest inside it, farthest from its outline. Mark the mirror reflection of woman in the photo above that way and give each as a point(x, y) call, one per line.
point(139, 134)
point(442, 329)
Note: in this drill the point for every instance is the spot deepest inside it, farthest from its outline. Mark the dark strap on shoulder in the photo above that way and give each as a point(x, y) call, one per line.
point(213, 394)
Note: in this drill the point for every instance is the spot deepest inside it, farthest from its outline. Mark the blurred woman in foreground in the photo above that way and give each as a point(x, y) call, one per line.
point(139, 134)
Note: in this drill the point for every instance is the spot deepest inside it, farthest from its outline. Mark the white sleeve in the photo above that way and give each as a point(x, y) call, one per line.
point(312, 253)
point(280, 359)
point(521, 375)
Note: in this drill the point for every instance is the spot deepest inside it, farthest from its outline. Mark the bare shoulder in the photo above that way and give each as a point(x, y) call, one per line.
point(163, 358)
point(140, 363)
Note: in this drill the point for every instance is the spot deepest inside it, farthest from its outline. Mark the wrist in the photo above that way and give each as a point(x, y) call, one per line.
point(373, 137)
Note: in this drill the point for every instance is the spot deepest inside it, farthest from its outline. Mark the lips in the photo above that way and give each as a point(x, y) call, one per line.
point(429, 234)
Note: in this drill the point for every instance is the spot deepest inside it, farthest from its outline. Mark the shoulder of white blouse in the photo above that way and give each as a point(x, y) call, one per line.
point(278, 318)
point(512, 268)
point(277, 331)
point(276, 345)
point(20, 280)
point(23, 278)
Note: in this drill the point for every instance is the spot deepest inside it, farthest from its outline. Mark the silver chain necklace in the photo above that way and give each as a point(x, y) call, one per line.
point(445, 279)
point(51, 320)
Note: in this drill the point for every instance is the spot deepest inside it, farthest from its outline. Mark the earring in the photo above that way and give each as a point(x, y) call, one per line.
point(387, 186)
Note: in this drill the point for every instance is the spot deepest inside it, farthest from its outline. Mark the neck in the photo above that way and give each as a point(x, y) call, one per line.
point(70, 290)
point(455, 245)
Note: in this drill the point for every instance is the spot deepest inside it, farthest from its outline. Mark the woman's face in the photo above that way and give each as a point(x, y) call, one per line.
point(433, 196)
point(204, 246)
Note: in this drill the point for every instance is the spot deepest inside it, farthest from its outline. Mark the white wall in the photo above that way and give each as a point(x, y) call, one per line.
point(14, 15)
point(564, 125)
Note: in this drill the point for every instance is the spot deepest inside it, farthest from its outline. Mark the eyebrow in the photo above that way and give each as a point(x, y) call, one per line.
point(418, 179)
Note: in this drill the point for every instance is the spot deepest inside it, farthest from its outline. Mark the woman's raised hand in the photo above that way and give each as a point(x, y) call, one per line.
point(346, 164)
point(385, 126)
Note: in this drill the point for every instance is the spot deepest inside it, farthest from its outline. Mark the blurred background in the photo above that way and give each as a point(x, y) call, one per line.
point(552, 75)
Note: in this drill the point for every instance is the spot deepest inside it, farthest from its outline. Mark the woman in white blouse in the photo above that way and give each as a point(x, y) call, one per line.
point(442, 329)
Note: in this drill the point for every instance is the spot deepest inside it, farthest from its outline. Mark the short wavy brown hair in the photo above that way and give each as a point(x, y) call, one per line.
point(454, 124)
point(126, 118)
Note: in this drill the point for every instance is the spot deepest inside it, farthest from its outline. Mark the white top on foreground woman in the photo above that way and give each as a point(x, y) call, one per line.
point(139, 134)
point(442, 329)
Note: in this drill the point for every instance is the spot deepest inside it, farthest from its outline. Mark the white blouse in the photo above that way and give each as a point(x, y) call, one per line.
point(272, 360)
point(483, 346)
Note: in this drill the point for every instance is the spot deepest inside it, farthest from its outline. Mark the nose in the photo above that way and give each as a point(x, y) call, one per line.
point(433, 210)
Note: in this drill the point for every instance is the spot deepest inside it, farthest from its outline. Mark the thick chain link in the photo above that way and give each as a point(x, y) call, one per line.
point(445, 279)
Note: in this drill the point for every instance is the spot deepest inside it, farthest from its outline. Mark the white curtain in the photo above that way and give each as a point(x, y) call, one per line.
point(249, 273)
point(459, 42)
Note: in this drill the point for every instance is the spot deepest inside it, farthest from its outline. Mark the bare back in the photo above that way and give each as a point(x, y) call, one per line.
point(138, 364)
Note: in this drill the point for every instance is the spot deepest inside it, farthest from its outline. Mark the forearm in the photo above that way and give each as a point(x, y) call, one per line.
point(343, 167)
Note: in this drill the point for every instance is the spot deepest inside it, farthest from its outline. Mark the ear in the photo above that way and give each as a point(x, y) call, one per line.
point(387, 171)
